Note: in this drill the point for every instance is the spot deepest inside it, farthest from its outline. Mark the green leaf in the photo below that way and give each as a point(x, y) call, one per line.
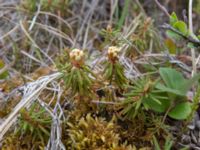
point(168, 144)
point(80, 80)
point(171, 77)
point(156, 144)
point(87, 80)
point(173, 18)
point(181, 26)
point(45, 131)
point(162, 107)
point(181, 111)
point(124, 14)
point(173, 35)
point(108, 71)
point(170, 90)
point(31, 129)
point(175, 82)
point(170, 45)
point(187, 84)
point(25, 126)
point(69, 78)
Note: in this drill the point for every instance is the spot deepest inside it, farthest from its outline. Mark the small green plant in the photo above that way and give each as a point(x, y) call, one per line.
point(169, 97)
point(114, 71)
point(33, 129)
point(179, 25)
point(178, 30)
point(46, 5)
point(76, 75)
point(110, 35)
point(167, 146)
point(176, 87)
point(142, 94)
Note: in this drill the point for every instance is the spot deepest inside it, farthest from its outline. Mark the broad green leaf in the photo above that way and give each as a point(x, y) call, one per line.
point(171, 77)
point(175, 82)
point(181, 111)
point(173, 35)
point(162, 107)
point(170, 45)
point(187, 84)
point(173, 18)
point(181, 26)
point(170, 90)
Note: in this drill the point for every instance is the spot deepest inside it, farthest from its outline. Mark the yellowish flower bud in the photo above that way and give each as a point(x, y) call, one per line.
point(77, 57)
point(113, 52)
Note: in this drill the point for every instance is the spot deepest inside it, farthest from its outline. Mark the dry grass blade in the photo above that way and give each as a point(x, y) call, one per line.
point(31, 92)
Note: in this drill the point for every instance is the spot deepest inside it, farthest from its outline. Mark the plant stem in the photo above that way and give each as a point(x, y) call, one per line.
point(162, 8)
point(194, 68)
point(165, 116)
point(189, 38)
point(190, 17)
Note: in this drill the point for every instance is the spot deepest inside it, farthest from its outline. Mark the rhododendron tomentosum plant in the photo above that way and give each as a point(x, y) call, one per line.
point(77, 75)
point(114, 71)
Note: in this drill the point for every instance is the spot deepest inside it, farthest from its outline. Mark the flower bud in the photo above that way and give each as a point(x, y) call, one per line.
point(77, 57)
point(113, 52)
